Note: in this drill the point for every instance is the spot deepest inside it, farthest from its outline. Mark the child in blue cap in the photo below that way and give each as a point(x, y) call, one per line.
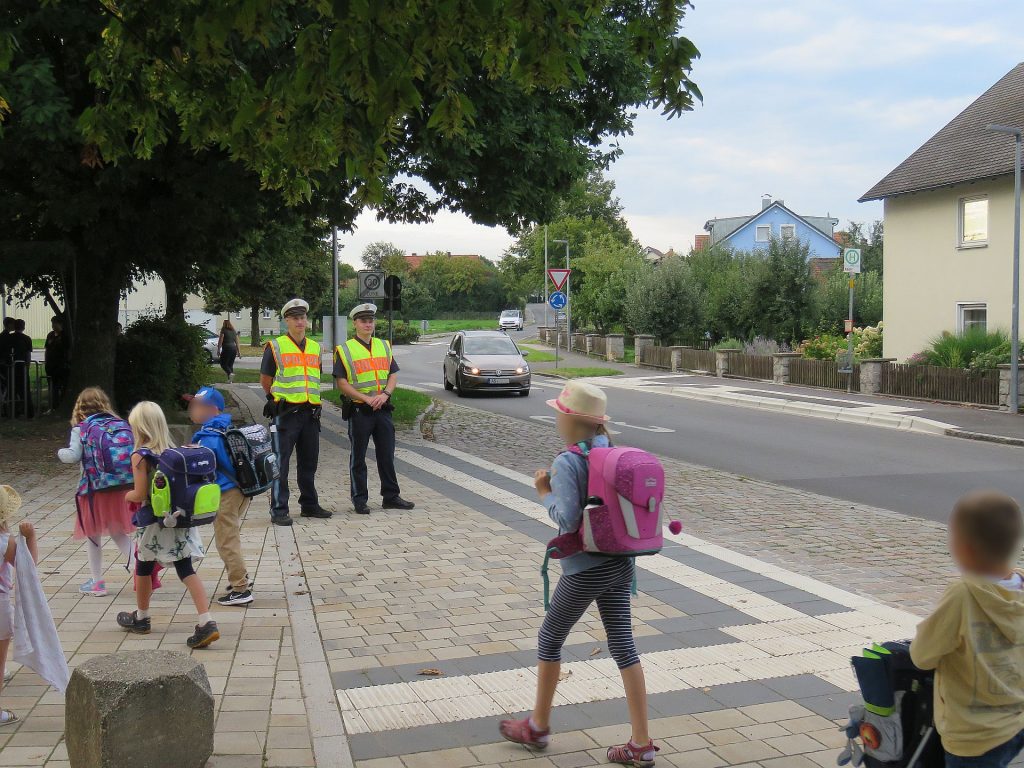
point(206, 407)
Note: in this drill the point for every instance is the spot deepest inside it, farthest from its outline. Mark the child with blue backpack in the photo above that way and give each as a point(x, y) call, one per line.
point(102, 442)
point(586, 578)
point(206, 407)
point(171, 546)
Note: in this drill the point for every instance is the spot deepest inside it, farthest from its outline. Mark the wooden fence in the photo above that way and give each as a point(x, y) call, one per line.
point(745, 366)
point(931, 382)
point(600, 347)
point(697, 360)
point(657, 357)
point(579, 343)
point(821, 373)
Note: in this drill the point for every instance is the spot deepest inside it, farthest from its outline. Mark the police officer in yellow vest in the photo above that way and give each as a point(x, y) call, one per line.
point(290, 375)
point(365, 369)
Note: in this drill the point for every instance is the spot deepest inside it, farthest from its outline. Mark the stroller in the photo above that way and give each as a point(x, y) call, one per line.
point(895, 723)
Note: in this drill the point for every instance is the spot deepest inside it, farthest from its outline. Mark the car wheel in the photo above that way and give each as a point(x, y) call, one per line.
point(209, 357)
point(524, 392)
point(458, 386)
point(447, 384)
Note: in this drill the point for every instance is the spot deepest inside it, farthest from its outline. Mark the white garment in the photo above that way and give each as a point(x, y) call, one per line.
point(73, 453)
point(36, 644)
point(1015, 582)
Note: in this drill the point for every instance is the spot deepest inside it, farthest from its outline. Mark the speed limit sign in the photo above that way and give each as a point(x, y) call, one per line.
point(371, 285)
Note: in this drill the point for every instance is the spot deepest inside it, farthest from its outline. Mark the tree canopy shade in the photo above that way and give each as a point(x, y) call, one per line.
point(498, 105)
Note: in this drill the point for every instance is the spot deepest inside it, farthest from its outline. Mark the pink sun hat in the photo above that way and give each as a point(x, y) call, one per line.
point(582, 400)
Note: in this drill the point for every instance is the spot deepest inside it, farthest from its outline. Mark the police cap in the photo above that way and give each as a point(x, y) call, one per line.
point(363, 310)
point(295, 307)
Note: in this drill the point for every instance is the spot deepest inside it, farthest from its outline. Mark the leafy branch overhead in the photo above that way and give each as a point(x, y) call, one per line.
point(487, 101)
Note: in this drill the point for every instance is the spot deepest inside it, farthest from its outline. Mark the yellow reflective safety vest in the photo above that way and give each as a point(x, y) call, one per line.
point(367, 369)
point(298, 371)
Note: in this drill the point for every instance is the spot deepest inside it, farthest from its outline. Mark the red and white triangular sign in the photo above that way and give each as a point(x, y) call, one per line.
point(558, 277)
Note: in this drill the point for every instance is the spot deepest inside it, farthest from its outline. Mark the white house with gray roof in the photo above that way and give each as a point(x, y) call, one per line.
point(949, 225)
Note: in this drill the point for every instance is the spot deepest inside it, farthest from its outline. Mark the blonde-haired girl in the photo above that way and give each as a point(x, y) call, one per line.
point(168, 546)
point(99, 512)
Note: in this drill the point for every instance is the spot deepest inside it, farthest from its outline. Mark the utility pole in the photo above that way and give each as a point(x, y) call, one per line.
point(334, 273)
point(545, 278)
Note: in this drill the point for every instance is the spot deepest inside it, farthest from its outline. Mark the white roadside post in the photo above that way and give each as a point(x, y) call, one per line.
point(851, 265)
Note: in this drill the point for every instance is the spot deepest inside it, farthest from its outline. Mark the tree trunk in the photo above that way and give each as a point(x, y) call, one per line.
point(94, 331)
point(175, 302)
point(254, 326)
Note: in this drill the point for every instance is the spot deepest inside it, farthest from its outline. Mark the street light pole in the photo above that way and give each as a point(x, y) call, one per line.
point(545, 278)
point(334, 274)
point(1015, 319)
point(568, 299)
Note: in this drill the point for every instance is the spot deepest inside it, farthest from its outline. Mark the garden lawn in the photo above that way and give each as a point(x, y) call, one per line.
point(451, 326)
point(580, 373)
point(408, 404)
point(242, 375)
point(539, 355)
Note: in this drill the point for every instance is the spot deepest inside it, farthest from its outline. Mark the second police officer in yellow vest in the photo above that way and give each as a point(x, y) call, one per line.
point(365, 369)
point(290, 376)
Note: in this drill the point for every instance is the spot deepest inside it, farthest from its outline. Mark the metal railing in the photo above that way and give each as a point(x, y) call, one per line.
point(22, 388)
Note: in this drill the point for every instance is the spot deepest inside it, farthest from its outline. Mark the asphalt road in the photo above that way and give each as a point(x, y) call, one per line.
point(911, 473)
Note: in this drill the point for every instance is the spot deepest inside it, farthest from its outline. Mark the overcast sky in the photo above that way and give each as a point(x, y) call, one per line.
point(811, 101)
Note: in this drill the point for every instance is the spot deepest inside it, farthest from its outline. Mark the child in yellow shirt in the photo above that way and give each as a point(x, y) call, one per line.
point(975, 638)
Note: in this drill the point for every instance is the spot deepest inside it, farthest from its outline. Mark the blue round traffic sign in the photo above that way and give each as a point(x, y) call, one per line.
point(557, 300)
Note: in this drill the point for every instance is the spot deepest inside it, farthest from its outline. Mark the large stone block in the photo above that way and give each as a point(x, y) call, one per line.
point(145, 709)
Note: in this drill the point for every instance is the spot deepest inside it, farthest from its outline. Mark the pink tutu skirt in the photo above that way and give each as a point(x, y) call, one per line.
point(106, 514)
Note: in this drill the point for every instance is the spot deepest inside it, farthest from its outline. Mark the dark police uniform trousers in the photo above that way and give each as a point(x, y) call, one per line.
point(364, 423)
point(298, 429)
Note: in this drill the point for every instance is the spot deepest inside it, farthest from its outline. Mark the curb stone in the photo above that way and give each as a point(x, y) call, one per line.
point(984, 437)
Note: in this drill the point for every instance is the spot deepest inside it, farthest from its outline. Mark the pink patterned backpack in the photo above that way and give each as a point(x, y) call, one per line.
point(623, 513)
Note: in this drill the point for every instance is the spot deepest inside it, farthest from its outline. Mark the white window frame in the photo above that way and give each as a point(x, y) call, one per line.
point(784, 227)
point(757, 233)
point(238, 315)
point(963, 306)
point(961, 202)
point(268, 314)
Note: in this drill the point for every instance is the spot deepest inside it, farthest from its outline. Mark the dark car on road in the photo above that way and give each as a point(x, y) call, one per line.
point(485, 361)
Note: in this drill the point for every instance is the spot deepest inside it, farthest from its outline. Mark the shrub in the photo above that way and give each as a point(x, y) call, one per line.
point(823, 347)
point(159, 359)
point(404, 333)
point(729, 344)
point(959, 350)
point(867, 342)
point(762, 346)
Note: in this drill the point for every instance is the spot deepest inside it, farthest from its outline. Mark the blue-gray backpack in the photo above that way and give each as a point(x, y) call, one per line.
point(254, 462)
point(183, 490)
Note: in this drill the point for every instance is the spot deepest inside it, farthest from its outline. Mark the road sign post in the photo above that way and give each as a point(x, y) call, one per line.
point(557, 300)
point(851, 265)
point(559, 277)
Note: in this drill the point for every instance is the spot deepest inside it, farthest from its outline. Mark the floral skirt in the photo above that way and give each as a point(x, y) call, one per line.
point(168, 545)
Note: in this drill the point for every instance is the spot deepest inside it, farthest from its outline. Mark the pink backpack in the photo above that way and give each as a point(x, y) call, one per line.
point(623, 513)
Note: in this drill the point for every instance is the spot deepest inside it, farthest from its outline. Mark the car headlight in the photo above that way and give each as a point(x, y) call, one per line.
point(469, 369)
point(522, 369)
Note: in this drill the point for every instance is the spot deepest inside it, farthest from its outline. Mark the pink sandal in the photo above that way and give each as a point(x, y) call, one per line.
point(633, 754)
point(521, 732)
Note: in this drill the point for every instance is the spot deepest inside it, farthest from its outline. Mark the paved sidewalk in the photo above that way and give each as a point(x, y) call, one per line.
point(746, 655)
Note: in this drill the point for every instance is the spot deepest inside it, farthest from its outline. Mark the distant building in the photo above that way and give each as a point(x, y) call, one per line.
point(701, 242)
point(753, 232)
point(654, 256)
point(414, 260)
point(948, 247)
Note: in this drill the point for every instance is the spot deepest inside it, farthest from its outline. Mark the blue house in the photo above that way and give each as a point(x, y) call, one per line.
point(775, 220)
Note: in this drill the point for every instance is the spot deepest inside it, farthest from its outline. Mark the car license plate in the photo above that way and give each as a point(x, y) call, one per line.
point(497, 381)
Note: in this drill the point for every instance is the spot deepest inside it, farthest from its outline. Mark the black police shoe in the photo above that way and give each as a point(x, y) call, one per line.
point(284, 519)
point(362, 509)
point(317, 511)
point(398, 503)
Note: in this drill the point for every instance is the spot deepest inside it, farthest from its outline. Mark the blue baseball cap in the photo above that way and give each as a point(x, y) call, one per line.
point(207, 396)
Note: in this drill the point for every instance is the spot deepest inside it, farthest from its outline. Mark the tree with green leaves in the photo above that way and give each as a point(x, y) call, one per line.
point(376, 254)
point(664, 301)
point(782, 295)
point(603, 273)
point(870, 243)
point(498, 106)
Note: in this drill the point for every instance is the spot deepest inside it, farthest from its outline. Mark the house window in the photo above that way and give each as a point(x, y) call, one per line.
point(238, 315)
point(764, 233)
point(969, 316)
point(788, 231)
point(266, 314)
point(973, 222)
